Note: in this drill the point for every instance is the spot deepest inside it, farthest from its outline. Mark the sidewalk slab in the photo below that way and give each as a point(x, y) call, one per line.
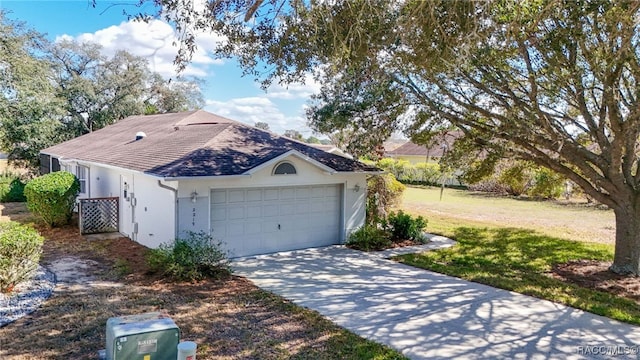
point(435, 242)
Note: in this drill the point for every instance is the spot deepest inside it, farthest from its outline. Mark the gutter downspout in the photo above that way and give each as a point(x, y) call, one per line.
point(175, 202)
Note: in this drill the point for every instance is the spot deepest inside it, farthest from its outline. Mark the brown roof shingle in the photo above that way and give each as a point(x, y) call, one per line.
point(188, 144)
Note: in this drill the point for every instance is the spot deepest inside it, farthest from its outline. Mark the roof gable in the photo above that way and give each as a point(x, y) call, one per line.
point(190, 144)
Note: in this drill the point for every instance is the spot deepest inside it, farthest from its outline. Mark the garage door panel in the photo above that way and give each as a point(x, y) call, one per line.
point(318, 192)
point(269, 227)
point(235, 229)
point(236, 196)
point(219, 197)
point(317, 207)
point(254, 195)
point(287, 194)
point(333, 192)
point(271, 194)
point(218, 213)
point(253, 228)
point(302, 206)
point(255, 221)
point(254, 212)
point(302, 193)
point(236, 212)
point(287, 209)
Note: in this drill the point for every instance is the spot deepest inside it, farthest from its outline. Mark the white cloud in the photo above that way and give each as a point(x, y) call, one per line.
point(251, 110)
point(155, 41)
point(296, 90)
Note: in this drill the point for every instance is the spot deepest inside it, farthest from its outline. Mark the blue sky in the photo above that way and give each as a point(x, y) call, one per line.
point(225, 91)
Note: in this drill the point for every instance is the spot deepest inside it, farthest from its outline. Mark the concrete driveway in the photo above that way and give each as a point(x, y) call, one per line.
point(426, 315)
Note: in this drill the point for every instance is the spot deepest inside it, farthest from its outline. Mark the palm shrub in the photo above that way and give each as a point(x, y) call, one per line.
point(52, 197)
point(383, 192)
point(20, 251)
point(405, 227)
point(369, 238)
point(194, 257)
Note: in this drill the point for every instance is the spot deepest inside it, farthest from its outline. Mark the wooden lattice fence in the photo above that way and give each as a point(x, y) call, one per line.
point(98, 215)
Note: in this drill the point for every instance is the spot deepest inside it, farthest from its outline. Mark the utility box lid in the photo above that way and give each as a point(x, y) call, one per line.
point(149, 336)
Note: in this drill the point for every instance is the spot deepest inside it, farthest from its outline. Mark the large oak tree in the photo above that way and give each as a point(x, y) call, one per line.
point(549, 81)
point(51, 92)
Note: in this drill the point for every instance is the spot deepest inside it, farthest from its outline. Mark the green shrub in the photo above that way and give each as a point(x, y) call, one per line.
point(20, 251)
point(516, 178)
point(404, 227)
point(192, 258)
point(52, 197)
point(16, 192)
point(369, 238)
point(11, 187)
point(428, 173)
point(547, 184)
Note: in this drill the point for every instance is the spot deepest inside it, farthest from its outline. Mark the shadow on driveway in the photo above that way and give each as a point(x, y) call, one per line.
point(427, 315)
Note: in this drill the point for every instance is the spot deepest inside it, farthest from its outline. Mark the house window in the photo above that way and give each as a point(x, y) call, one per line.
point(45, 164)
point(55, 164)
point(284, 168)
point(82, 172)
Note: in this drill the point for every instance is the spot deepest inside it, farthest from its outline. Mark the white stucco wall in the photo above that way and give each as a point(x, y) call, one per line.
point(104, 182)
point(146, 204)
point(154, 211)
point(196, 216)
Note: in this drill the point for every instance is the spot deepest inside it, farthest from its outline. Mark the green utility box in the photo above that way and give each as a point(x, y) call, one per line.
point(150, 336)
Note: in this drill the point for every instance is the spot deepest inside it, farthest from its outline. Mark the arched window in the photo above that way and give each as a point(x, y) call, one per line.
point(284, 168)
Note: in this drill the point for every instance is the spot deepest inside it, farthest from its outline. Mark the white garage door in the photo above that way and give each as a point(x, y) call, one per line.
point(260, 221)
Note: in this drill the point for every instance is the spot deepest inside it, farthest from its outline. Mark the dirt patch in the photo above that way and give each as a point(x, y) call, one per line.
point(228, 318)
point(596, 275)
point(15, 211)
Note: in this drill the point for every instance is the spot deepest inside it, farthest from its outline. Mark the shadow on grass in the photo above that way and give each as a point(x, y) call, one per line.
point(571, 203)
point(520, 260)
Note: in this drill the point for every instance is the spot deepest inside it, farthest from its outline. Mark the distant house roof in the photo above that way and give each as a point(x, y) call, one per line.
point(332, 149)
point(190, 144)
point(436, 150)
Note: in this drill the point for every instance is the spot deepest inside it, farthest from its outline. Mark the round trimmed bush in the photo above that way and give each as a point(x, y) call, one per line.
point(52, 197)
point(194, 257)
point(20, 251)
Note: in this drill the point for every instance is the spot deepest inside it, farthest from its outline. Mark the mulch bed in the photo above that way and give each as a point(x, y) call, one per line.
point(594, 274)
point(229, 318)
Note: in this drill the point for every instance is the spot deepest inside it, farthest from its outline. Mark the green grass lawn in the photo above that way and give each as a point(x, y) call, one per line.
point(573, 221)
point(513, 257)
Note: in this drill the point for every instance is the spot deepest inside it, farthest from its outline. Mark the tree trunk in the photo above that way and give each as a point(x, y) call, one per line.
point(626, 260)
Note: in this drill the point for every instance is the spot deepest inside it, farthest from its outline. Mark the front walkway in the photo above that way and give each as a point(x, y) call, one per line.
point(427, 315)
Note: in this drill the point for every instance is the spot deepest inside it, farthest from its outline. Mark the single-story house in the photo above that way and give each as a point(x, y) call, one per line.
point(415, 153)
point(255, 191)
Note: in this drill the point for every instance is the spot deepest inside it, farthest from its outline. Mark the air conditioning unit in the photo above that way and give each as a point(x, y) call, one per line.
point(149, 336)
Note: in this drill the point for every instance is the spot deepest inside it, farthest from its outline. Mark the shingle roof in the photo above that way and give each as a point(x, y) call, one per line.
point(188, 144)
